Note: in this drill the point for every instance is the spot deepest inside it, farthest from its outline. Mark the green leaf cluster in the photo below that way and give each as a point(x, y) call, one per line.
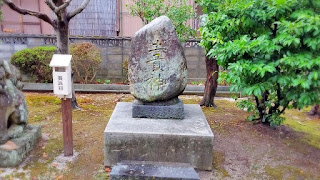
point(35, 61)
point(177, 10)
point(271, 49)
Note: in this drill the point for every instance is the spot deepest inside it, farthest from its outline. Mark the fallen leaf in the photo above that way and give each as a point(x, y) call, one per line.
point(54, 164)
point(107, 169)
point(45, 155)
point(60, 177)
point(9, 145)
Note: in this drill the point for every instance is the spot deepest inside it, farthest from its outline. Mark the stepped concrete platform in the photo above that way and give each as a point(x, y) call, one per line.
point(153, 171)
point(189, 140)
point(16, 150)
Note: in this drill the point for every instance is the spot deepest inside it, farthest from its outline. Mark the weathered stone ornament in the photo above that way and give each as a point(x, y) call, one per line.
point(13, 108)
point(16, 137)
point(157, 65)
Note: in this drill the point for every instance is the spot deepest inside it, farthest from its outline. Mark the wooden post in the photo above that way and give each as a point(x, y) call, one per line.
point(67, 126)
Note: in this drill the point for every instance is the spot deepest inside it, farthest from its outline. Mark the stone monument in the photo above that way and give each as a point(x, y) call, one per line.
point(157, 71)
point(157, 126)
point(16, 137)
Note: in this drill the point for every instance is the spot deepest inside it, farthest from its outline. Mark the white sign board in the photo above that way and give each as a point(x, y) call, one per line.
point(61, 64)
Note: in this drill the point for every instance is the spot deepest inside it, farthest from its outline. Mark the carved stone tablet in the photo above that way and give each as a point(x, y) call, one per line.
point(157, 64)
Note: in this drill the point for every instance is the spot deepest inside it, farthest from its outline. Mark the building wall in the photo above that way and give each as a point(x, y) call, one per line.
point(100, 18)
point(15, 23)
point(113, 52)
point(128, 24)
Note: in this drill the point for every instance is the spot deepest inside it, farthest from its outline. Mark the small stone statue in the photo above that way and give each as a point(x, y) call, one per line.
point(13, 108)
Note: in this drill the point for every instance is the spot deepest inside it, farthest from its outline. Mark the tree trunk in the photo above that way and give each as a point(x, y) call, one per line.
point(62, 40)
point(315, 110)
point(211, 83)
point(63, 48)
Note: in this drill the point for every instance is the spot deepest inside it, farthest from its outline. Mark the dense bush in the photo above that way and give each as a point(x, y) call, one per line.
point(85, 61)
point(271, 49)
point(35, 61)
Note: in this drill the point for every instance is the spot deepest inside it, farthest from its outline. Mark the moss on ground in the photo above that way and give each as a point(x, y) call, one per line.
point(218, 160)
point(287, 172)
point(308, 125)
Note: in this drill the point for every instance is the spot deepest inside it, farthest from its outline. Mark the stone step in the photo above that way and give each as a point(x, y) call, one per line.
point(147, 170)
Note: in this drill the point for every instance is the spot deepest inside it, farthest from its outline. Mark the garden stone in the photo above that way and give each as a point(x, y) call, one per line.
point(157, 64)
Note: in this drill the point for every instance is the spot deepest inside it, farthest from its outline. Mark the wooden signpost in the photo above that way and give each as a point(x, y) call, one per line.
point(62, 87)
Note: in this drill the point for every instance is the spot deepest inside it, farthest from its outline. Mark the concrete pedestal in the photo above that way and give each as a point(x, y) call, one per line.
point(189, 140)
point(15, 150)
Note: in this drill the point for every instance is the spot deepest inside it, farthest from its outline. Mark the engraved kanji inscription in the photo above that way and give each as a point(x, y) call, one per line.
point(157, 62)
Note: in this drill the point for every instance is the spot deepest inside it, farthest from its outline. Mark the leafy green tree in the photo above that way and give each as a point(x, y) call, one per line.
point(177, 10)
point(271, 49)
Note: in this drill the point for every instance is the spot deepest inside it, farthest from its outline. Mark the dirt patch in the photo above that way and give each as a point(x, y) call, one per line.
point(242, 150)
point(256, 151)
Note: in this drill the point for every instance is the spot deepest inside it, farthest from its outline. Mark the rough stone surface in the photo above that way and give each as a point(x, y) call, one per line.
point(14, 151)
point(142, 139)
point(153, 171)
point(157, 64)
point(13, 108)
point(173, 109)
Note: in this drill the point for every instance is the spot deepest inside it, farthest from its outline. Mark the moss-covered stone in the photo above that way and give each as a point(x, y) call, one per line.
point(157, 64)
point(14, 151)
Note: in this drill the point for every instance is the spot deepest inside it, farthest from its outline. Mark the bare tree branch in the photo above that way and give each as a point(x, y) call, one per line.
point(39, 15)
point(63, 6)
point(51, 5)
point(56, 9)
point(78, 10)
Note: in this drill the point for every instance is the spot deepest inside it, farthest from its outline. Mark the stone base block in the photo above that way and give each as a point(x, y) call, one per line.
point(15, 150)
point(153, 171)
point(189, 140)
point(172, 109)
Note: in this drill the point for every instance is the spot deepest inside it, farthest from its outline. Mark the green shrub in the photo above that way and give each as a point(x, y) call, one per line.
point(35, 61)
point(85, 61)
